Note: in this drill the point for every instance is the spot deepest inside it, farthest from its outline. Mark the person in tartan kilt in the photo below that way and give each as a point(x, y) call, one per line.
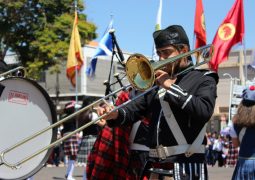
point(71, 144)
point(109, 156)
point(178, 109)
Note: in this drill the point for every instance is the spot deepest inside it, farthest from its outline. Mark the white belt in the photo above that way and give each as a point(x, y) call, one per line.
point(139, 147)
point(163, 152)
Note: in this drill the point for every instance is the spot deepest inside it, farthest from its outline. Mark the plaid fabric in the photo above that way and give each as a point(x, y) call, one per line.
point(86, 145)
point(71, 145)
point(232, 155)
point(109, 156)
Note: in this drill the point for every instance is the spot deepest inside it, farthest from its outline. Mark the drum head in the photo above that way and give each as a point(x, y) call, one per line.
point(25, 109)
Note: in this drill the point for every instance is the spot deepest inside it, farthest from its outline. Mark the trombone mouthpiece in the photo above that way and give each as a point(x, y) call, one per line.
point(116, 75)
point(106, 82)
point(111, 31)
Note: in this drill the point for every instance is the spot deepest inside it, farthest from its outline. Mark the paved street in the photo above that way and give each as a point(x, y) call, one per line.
point(57, 173)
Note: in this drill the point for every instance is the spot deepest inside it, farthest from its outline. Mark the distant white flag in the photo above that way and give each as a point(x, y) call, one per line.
point(157, 27)
point(158, 22)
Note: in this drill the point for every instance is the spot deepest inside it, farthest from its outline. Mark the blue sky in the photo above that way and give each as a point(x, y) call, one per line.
point(134, 20)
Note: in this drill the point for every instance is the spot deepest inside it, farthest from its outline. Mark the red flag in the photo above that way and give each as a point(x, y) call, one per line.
point(199, 28)
point(230, 32)
point(75, 57)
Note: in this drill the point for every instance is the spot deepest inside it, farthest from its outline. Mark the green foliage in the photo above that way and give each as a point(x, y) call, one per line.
point(39, 31)
point(34, 68)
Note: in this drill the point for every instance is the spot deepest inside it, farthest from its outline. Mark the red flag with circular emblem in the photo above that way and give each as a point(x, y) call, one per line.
point(230, 32)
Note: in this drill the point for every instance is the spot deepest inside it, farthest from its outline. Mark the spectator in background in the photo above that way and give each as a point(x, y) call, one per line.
point(232, 153)
point(218, 150)
point(212, 156)
point(56, 151)
point(243, 133)
point(209, 149)
point(70, 144)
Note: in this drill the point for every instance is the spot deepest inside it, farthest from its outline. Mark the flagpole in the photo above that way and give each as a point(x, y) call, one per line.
point(193, 41)
point(108, 88)
point(76, 68)
point(245, 63)
point(244, 54)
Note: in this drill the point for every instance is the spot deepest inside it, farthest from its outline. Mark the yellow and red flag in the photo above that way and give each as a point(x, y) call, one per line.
point(230, 32)
point(75, 56)
point(199, 28)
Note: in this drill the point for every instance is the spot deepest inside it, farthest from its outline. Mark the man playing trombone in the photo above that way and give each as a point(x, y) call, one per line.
point(179, 110)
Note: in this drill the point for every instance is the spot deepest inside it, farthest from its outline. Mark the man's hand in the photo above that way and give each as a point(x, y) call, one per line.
point(101, 122)
point(163, 79)
point(101, 110)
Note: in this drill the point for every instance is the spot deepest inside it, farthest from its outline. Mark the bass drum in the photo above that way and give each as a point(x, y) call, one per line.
point(25, 109)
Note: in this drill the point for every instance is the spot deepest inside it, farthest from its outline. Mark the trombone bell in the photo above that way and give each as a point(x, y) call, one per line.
point(139, 72)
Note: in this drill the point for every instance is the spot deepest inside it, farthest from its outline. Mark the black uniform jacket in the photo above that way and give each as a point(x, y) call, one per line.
point(192, 100)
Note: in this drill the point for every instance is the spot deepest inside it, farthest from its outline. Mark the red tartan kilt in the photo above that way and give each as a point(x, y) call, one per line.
point(109, 156)
point(71, 145)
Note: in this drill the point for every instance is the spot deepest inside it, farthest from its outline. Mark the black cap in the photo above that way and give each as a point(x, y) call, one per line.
point(249, 96)
point(69, 108)
point(172, 35)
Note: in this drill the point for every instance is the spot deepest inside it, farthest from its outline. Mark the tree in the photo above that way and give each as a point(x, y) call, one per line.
point(39, 31)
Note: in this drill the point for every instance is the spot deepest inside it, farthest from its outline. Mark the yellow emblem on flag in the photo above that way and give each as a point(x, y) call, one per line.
point(226, 31)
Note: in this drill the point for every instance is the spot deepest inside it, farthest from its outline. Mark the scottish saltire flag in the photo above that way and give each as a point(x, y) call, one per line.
point(157, 27)
point(104, 49)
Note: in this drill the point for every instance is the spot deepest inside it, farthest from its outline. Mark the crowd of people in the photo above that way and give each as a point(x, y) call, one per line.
point(220, 149)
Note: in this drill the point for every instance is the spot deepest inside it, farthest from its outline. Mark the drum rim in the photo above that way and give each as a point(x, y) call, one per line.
point(54, 120)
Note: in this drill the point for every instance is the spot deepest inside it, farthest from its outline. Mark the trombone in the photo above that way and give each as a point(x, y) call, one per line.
point(140, 75)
